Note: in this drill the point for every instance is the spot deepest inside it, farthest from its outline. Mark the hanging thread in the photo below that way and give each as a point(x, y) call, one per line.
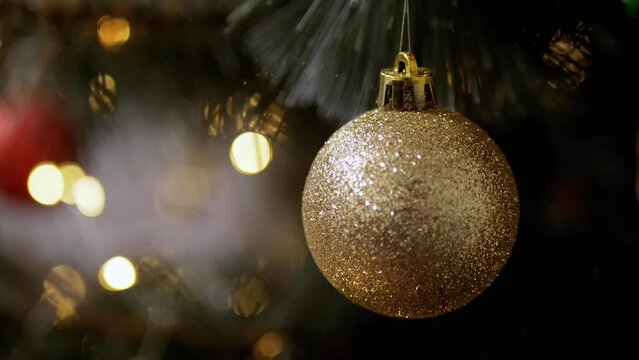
point(405, 21)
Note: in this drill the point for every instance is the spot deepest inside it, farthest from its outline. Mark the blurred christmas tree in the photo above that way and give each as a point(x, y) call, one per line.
point(192, 124)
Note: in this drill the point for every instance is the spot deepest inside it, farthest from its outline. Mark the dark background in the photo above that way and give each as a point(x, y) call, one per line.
point(569, 289)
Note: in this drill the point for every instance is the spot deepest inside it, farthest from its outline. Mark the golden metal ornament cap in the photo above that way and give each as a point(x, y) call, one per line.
point(406, 86)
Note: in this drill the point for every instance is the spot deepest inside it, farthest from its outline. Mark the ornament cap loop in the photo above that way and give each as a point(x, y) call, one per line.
point(406, 63)
point(406, 86)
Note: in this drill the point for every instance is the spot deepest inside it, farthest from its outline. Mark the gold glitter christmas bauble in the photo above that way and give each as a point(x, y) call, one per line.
point(410, 213)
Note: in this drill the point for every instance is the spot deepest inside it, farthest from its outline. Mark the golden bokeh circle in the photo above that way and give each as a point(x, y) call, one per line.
point(251, 153)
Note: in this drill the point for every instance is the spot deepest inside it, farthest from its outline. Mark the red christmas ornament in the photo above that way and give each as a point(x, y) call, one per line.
point(32, 132)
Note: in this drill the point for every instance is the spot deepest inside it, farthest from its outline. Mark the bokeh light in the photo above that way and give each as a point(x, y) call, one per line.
point(46, 184)
point(268, 346)
point(569, 55)
point(238, 114)
point(113, 32)
point(64, 288)
point(251, 153)
point(117, 274)
point(273, 125)
point(223, 119)
point(249, 296)
point(89, 196)
point(159, 274)
point(71, 173)
point(102, 94)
